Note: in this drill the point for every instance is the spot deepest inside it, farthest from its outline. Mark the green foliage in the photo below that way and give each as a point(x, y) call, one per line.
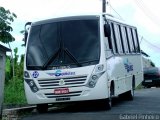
point(8, 74)
point(14, 88)
point(23, 32)
point(6, 17)
point(14, 92)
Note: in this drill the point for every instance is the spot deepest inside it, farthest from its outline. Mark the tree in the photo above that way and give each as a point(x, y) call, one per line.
point(23, 32)
point(6, 18)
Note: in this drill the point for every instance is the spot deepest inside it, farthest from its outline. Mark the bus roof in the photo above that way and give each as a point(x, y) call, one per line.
point(108, 16)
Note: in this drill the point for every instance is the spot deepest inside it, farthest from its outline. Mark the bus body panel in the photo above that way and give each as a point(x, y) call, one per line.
point(122, 73)
point(117, 68)
point(98, 92)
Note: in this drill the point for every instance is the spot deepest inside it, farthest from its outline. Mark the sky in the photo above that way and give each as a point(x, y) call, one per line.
point(144, 14)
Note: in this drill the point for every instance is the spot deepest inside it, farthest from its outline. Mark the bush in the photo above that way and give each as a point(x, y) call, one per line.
point(14, 92)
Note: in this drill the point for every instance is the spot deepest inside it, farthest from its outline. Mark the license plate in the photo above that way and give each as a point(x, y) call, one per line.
point(61, 91)
point(148, 80)
point(62, 99)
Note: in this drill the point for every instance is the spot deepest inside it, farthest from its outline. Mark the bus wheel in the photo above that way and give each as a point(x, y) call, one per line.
point(109, 100)
point(42, 108)
point(109, 103)
point(130, 94)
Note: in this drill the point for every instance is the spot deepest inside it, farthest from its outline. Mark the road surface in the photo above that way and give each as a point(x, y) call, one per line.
point(145, 106)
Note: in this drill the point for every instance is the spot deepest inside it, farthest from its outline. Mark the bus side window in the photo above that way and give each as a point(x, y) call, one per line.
point(110, 40)
point(133, 40)
point(136, 40)
point(114, 44)
point(128, 43)
point(108, 43)
point(117, 36)
point(121, 38)
point(124, 38)
point(130, 39)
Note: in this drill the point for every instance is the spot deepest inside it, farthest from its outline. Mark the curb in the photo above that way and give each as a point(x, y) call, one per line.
point(13, 114)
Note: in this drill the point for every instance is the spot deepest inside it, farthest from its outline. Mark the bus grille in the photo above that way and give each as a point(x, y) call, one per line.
point(70, 94)
point(68, 82)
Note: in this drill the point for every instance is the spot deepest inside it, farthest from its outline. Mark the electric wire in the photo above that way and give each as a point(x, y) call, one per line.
point(151, 44)
point(147, 12)
point(140, 35)
point(115, 11)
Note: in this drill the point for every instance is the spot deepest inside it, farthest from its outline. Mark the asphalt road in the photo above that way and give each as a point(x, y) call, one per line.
point(145, 106)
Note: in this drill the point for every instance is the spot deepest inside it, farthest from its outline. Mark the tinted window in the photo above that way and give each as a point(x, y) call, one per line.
point(133, 40)
point(130, 39)
point(124, 38)
point(135, 36)
point(127, 39)
point(68, 42)
point(118, 38)
point(81, 38)
point(113, 35)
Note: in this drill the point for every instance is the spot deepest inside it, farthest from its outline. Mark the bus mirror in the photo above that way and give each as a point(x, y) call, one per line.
point(107, 30)
point(26, 31)
point(25, 36)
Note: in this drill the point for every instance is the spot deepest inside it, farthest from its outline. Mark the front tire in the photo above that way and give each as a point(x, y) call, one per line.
point(130, 95)
point(109, 103)
point(109, 100)
point(42, 108)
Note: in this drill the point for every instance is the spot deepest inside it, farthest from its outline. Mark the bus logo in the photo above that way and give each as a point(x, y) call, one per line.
point(128, 66)
point(35, 74)
point(59, 73)
point(61, 82)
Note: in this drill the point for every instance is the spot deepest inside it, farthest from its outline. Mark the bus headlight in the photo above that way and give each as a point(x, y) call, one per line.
point(94, 77)
point(32, 85)
point(93, 80)
point(99, 68)
point(91, 84)
point(97, 73)
point(26, 74)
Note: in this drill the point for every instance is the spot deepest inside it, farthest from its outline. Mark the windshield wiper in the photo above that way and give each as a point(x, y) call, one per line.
point(50, 60)
point(34, 67)
point(72, 57)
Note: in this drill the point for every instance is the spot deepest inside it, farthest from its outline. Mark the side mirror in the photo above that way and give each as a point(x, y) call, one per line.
point(26, 32)
point(107, 30)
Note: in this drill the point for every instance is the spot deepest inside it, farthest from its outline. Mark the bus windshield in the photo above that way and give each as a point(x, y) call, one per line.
point(71, 43)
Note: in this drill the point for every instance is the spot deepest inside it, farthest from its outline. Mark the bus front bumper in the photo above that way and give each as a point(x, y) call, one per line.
point(81, 93)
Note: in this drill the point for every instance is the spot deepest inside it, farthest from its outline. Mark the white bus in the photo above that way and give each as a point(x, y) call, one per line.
point(81, 58)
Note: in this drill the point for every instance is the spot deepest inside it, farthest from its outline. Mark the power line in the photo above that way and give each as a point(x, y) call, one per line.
point(147, 12)
point(115, 11)
point(151, 43)
point(140, 35)
point(147, 41)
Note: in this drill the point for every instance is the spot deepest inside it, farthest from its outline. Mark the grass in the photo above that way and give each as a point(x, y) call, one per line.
point(14, 92)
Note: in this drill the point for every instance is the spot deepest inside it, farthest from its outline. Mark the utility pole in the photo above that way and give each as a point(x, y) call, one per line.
point(104, 6)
